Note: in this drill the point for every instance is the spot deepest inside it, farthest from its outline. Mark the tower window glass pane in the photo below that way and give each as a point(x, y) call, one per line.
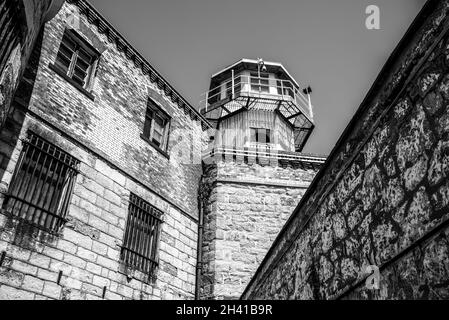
point(259, 135)
point(260, 84)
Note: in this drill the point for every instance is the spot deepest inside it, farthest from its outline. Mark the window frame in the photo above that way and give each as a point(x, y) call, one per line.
point(68, 72)
point(152, 112)
point(140, 250)
point(35, 154)
point(268, 134)
point(259, 82)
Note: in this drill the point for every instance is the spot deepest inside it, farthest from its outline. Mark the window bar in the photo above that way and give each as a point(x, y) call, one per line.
point(139, 237)
point(132, 243)
point(130, 234)
point(29, 180)
point(155, 247)
point(67, 195)
point(53, 202)
point(38, 192)
point(148, 240)
point(142, 238)
point(20, 163)
point(151, 239)
point(35, 194)
point(127, 235)
point(28, 161)
point(49, 199)
point(155, 236)
point(151, 222)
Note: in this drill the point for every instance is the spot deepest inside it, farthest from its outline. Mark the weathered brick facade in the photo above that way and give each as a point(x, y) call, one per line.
point(102, 129)
point(382, 196)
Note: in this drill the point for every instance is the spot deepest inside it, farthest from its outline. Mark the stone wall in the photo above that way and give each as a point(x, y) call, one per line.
point(21, 22)
point(103, 131)
point(382, 197)
point(246, 207)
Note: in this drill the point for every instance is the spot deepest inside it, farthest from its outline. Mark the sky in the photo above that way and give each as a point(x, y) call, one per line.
point(322, 43)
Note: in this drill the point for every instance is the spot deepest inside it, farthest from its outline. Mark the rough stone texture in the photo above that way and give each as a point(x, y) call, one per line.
point(245, 207)
point(382, 197)
point(23, 23)
point(104, 134)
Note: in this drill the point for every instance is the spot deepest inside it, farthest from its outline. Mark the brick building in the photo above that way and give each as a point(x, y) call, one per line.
point(99, 200)
point(104, 194)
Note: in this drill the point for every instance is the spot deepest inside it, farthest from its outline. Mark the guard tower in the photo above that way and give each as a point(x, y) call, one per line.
point(256, 104)
point(254, 171)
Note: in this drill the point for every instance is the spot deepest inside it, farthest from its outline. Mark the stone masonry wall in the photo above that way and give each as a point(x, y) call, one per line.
point(245, 210)
point(21, 22)
point(382, 197)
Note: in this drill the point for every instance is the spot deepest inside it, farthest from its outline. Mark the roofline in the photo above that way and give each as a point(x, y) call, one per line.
point(105, 27)
point(269, 63)
point(417, 23)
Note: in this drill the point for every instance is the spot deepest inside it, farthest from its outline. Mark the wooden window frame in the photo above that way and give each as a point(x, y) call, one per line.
point(68, 73)
point(154, 110)
point(259, 82)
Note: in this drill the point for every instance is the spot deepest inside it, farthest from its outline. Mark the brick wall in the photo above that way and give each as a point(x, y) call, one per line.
point(104, 134)
point(246, 207)
point(113, 122)
point(382, 197)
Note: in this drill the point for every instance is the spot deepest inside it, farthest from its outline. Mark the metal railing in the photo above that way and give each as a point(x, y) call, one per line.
point(266, 152)
point(257, 87)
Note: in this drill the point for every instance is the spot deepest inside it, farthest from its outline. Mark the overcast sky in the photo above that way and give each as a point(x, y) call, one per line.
point(323, 43)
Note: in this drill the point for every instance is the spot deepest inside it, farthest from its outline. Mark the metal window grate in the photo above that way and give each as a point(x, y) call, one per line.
point(140, 244)
point(42, 184)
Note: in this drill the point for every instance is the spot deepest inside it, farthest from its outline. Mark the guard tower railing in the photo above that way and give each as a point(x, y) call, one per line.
point(242, 86)
point(245, 92)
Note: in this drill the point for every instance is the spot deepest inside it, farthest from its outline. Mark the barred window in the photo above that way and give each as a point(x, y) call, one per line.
point(76, 59)
point(140, 244)
point(156, 127)
point(42, 184)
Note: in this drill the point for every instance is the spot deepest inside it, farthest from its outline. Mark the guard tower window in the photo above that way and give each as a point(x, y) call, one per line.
point(42, 184)
point(140, 244)
point(156, 127)
point(77, 59)
point(259, 135)
point(260, 84)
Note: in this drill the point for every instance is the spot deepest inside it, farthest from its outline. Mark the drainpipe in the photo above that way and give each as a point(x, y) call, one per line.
point(199, 259)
